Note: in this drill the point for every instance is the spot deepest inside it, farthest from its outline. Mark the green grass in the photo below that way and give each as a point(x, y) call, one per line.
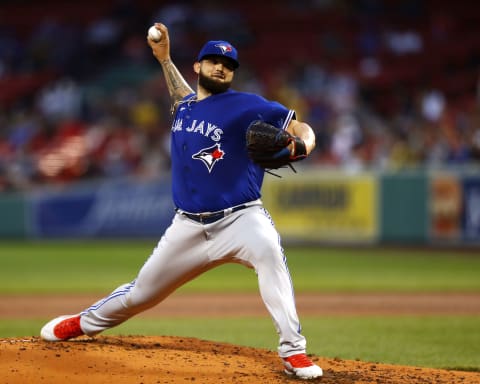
point(54, 267)
point(438, 342)
point(100, 266)
point(64, 266)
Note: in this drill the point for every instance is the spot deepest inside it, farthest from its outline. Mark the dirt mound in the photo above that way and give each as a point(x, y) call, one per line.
point(148, 360)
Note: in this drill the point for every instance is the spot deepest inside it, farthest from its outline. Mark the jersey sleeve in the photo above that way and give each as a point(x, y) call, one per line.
point(277, 114)
point(291, 116)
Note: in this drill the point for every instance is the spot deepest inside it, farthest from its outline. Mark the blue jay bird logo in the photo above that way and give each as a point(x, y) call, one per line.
point(209, 156)
point(224, 47)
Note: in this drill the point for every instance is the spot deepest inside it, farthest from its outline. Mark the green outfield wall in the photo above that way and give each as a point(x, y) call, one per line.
point(310, 206)
point(404, 207)
point(13, 216)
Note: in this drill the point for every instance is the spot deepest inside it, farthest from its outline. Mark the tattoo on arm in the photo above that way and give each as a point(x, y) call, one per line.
point(176, 84)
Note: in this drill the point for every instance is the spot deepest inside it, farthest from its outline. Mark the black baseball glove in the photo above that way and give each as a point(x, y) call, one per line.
point(268, 146)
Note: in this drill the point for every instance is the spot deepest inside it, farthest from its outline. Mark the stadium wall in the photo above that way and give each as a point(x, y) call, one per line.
point(311, 206)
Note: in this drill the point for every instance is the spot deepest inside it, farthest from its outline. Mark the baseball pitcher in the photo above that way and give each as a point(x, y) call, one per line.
point(222, 142)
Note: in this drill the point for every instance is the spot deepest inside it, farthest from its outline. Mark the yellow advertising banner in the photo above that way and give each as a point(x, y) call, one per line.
point(324, 207)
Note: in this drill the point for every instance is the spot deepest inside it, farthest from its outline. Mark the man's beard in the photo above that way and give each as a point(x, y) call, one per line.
point(211, 85)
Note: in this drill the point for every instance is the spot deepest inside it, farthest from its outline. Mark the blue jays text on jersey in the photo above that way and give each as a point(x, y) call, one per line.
point(211, 170)
point(202, 127)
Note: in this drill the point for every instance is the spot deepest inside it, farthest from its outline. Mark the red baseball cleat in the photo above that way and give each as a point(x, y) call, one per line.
point(62, 328)
point(301, 366)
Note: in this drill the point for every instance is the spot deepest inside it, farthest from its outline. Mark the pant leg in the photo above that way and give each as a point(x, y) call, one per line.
point(250, 236)
point(179, 256)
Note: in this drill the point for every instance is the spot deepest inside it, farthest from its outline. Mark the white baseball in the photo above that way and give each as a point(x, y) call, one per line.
point(154, 34)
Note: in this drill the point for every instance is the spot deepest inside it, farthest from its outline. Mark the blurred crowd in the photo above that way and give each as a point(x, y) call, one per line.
point(82, 97)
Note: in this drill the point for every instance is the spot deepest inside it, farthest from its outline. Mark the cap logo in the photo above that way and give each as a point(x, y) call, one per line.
point(224, 47)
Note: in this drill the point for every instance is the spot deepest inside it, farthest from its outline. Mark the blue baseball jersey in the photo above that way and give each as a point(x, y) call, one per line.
point(211, 169)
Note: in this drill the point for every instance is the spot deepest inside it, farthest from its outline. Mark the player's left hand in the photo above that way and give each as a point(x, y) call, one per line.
point(273, 148)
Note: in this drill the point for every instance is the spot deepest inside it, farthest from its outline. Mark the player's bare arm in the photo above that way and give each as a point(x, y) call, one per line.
point(176, 84)
point(304, 132)
point(178, 88)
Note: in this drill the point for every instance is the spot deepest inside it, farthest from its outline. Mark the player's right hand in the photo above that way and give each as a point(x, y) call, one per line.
point(161, 49)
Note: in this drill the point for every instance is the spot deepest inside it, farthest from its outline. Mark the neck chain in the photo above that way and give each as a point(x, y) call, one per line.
point(189, 102)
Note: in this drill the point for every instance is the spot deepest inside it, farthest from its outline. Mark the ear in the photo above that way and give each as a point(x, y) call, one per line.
point(196, 67)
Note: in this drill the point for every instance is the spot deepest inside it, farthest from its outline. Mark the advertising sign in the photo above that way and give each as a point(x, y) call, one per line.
point(471, 213)
point(119, 209)
point(324, 208)
point(445, 205)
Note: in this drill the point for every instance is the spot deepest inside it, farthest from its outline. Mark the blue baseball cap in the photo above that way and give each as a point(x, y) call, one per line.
point(219, 48)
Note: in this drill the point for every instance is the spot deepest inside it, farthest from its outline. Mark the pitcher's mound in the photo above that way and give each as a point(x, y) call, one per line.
point(138, 359)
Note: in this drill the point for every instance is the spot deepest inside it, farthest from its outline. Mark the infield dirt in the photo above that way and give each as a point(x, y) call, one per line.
point(161, 359)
